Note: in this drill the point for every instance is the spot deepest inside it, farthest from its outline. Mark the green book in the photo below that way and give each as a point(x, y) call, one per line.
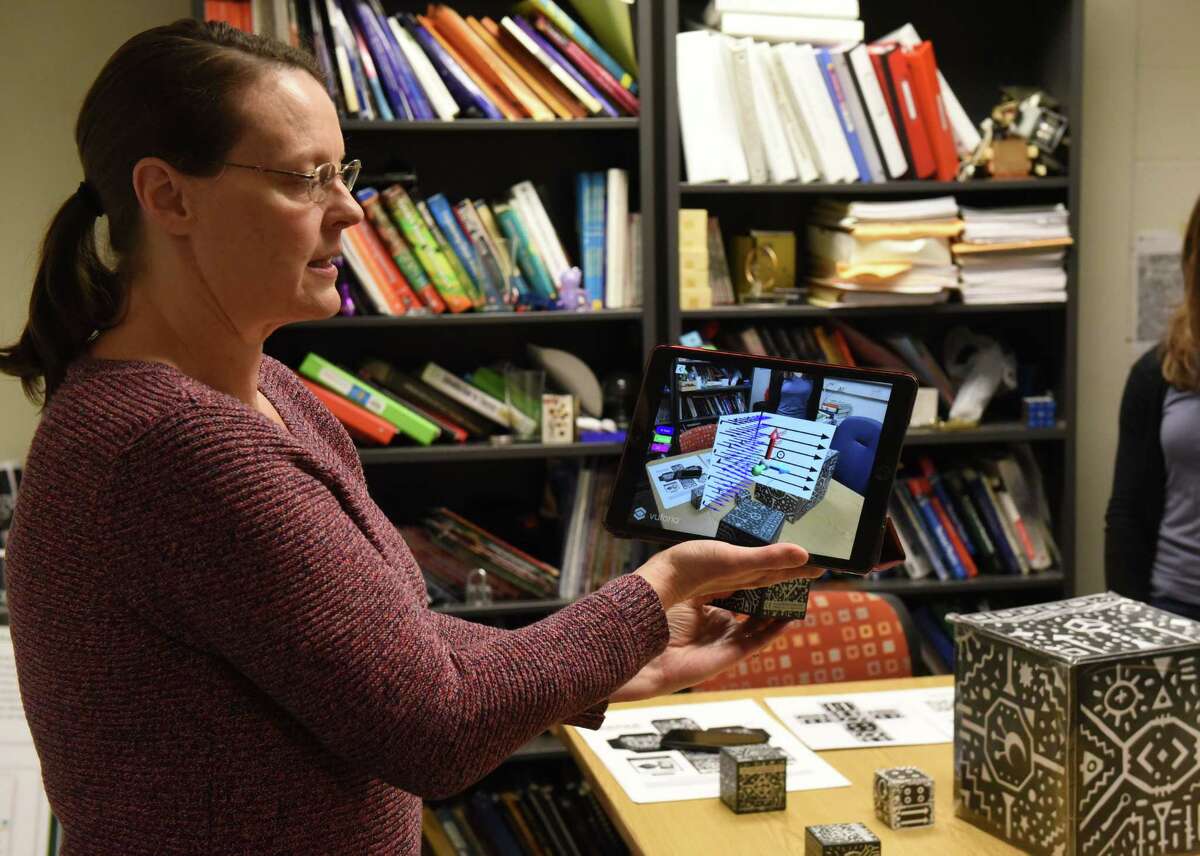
point(426, 249)
point(411, 424)
point(460, 270)
point(527, 260)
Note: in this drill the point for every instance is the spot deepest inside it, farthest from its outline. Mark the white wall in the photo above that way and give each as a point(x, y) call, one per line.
point(1141, 171)
point(53, 49)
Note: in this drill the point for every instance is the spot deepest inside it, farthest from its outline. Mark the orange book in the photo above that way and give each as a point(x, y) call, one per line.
point(839, 339)
point(489, 38)
point(499, 98)
point(470, 46)
point(360, 422)
point(396, 290)
point(928, 92)
point(531, 64)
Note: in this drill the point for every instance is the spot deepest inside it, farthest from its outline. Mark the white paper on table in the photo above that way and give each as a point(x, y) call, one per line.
point(859, 720)
point(24, 809)
point(666, 776)
point(676, 491)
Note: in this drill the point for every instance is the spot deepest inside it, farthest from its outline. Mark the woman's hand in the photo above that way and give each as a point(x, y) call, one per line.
point(702, 569)
point(704, 641)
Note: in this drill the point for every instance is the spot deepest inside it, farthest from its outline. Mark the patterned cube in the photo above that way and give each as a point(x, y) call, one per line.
point(782, 600)
point(840, 839)
point(698, 496)
point(751, 524)
point(903, 797)
point(792, 506)
point(753, 778)
point(1077, 727)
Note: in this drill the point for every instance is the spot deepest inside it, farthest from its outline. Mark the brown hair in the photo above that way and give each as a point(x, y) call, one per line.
point(168, 93)
point(1181, 347)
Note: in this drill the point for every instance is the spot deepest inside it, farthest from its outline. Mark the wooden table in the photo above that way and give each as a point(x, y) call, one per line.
point(827, 529)
point(707, 826)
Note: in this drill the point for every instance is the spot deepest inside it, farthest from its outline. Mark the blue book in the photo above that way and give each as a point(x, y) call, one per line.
point(324, 57)
point(439, 207)
point(371, 71)
point(591, 234)
point(462, 88)
point(364, 25)
point(343, 38)
point(991, 520)
point(939, 490)
point(557, 57)
point(916, 522)
point(834, 86)
point(414, 93)
point(929, 515)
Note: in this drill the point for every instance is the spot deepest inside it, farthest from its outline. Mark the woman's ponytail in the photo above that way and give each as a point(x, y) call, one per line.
point(74, 295)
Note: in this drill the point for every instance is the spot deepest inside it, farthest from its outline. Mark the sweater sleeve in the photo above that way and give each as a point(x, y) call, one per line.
point(228, 538)
point(1135, 507)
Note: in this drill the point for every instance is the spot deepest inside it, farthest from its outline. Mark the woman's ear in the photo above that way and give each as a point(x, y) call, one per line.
point(165, 195)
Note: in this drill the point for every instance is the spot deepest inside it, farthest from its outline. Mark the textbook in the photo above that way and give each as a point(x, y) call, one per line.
point(411, 424)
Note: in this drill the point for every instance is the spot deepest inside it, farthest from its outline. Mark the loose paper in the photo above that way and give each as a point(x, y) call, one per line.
point(1158, 280)
point(674, 491)
point(858, 720)
point(651, 775)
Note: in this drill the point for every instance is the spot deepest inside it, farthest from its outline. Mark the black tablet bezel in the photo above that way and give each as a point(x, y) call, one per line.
point(867, 539)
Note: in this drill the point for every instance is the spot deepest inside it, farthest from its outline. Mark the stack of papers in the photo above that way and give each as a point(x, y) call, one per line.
point(882, 253)
point(1014, 255)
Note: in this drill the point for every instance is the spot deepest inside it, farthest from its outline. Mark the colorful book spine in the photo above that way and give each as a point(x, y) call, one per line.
point(833, 84)
point(990, 515)
point(353, 83)
point(476, 399)
point(960, 548)
point(507, 263)
point(484, 81)
point(320, 48)
point(405, 79)
point(401, 253)
point(488, 35)
point(373, 296)
point(412, 227)
point(395, 287)
point(919, 489)
point(331, 377)
point(581, 37)
point(525, 37)
point(917, 523)
point(443, 214)
point(430, 82)
point(372, 76)
point(411, 389)
point(589, 68)
point(528, 261)
point(985, 551)
point(607, 108)
point(590, 202)
point(494, 283)
point(466, 277)
point(358, 421)
point(935, 483)
point(462, 87)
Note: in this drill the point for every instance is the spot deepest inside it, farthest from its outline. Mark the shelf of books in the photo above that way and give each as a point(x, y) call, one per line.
point(832, 194)
point(473, 319)
point(489, 126)
point(480, 452)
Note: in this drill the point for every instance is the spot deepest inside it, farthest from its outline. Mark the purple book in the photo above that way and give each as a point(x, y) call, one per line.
point(553, 53)
point(418, 101)
point(469, 96)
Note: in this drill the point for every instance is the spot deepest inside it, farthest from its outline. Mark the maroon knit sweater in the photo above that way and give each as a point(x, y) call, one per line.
point(222, 643)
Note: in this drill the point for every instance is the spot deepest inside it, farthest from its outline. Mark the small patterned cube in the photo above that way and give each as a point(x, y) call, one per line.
point(782, 600)
point(698, 496)
point(754, 778)
point(841, 839)
point(751, 524)
point(903, 797)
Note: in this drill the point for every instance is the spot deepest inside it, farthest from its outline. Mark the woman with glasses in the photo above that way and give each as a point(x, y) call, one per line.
point(222, 643)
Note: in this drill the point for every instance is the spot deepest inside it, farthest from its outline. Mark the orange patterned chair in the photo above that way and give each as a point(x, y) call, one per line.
point(847, 636)
point(698, 438)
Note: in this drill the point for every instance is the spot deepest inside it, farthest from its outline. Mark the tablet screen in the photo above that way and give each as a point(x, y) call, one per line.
point(755, 451)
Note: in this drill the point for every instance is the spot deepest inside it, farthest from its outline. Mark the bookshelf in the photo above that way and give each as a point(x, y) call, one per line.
point(1042, 46)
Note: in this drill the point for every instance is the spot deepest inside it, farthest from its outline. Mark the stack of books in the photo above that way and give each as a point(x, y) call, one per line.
point(413, 255)
point(783, 94)
point(1014, 255)
point(986, 515)
point(882, 253)
point(541, 64)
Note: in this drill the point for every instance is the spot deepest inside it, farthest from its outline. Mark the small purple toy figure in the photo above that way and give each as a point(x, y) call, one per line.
point(571, 295)
point(343, 287)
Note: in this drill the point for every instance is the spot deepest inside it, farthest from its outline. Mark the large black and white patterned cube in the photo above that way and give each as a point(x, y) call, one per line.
point(753, 778)
point(782, 600)
point(841, 839)
point(903, 797)
point(792, 506)
point(751, 524)
point(1077, 727)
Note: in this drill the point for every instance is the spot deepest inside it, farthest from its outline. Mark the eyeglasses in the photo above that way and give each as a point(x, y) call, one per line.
point(319, 179)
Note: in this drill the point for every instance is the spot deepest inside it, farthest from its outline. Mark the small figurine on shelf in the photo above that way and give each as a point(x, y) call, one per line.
point(1025, 136)
point(572, 296)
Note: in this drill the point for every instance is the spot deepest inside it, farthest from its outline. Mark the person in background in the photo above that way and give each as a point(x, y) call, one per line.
point(222, 642)
point(1152, 533)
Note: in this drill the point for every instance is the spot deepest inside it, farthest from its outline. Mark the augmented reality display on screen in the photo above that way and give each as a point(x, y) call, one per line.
point(759, 455)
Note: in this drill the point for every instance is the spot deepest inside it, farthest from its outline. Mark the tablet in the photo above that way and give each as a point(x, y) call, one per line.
point(756, 450)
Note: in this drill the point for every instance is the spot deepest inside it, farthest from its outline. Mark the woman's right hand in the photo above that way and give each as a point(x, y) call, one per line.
point(703, 568)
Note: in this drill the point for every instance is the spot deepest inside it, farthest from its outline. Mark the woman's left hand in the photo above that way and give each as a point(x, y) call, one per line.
point(704, 640)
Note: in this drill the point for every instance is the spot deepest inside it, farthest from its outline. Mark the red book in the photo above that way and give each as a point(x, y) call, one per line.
point(396, 290)
point(360, 422)
point(928, 93)
point(920, 151)
point(960, 548)
point(591, 69)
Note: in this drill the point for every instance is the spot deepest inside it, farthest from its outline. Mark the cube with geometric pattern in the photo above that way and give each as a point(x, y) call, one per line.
point(903, 797)
point(754, 778)
point(841, 839)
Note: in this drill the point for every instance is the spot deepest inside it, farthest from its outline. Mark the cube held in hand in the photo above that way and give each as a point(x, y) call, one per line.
point(754, 778)
point(903, 797)
point(841, 839)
